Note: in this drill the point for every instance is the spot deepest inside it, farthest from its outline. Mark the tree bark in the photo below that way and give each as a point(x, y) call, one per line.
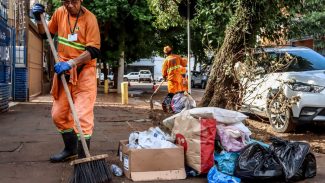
point(222, 88)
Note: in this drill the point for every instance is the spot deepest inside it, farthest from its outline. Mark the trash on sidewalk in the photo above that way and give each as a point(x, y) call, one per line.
point(296, 158)
point(117, 171)
point(197, 136)
point(166, 104)
point(232, 138)
point(220, 115)
point(182, 101)
point(153, 138)
point(152, 164)
point(214, 176)
point(282, 160)
point(256, 162)
point(226, 161)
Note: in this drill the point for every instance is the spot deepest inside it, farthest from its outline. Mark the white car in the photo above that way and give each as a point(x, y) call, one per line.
point(145, 75)
point(110, 77)
point(301, 83)
point(131, 76)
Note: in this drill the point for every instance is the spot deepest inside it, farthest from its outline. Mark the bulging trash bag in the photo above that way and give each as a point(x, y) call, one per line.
point(166, 104)
point(297, 160)
point(257, 163)
point(214, 176)
point(226, 161)
point(182, 101)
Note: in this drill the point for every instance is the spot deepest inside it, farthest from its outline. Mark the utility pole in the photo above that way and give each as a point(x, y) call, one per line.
point(188, 47)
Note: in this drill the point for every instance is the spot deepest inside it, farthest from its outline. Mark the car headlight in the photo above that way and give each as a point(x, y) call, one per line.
point(304, 87)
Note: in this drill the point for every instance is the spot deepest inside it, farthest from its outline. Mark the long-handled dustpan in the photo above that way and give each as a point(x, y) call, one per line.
point(91, 169)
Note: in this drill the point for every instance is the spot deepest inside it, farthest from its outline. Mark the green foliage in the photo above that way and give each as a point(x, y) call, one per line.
point(125, 25)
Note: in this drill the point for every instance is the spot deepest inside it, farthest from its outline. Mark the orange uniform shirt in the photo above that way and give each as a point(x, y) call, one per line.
point(88, 34)
point(171, 69)
point(86, 29)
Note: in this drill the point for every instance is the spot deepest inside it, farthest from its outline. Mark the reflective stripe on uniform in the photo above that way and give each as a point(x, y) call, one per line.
point(65, 131)
point(85, 135)
point(173, 68)
point(75, 45)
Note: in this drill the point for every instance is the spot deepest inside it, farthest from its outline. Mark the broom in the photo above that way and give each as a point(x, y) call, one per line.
point(92, 169)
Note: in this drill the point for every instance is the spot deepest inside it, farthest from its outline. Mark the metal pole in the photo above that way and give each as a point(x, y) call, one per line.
point(188, 47)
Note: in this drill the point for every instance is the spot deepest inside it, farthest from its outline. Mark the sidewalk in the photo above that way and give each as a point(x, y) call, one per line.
point(28, 137)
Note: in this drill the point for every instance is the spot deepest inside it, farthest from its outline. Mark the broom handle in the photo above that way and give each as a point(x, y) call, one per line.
point(158, 88)
point(151, 103)
point(66, 89)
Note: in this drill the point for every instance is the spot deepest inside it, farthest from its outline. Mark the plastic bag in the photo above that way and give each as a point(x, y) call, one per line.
point(214, 176)
point(154, 138)
point(297, 160)
point(257, 163)
point(166, 104)
point(182, 101)
point(221, 115)
point(226, 161)
point(232, 139)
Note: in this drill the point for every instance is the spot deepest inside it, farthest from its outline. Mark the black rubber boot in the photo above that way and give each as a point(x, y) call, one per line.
point(69, 152)
point(81, 152)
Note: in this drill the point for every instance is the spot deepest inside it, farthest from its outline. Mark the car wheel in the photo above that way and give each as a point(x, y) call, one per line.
point(125, 79)
point(192, 84)
point(280, 115)
point(203, 84)
point(139, 80)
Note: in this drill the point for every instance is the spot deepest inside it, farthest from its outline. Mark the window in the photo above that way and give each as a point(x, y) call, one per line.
point(306, 60)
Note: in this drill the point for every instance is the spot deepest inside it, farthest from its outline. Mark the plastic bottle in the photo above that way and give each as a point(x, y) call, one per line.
point(117, 171)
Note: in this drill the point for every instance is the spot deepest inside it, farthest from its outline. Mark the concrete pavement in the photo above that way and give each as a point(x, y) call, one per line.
point(28, 137)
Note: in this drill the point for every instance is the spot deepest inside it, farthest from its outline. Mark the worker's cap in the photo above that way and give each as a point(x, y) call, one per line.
point(167, 49)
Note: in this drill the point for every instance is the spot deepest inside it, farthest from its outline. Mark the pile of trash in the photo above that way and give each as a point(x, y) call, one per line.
point(217, 143)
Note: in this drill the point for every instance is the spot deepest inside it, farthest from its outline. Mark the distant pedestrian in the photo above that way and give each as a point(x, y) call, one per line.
point(78, 47)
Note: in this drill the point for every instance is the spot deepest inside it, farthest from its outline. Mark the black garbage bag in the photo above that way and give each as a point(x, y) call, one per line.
point(257, 163)
point(296, 159)
point(166, 104)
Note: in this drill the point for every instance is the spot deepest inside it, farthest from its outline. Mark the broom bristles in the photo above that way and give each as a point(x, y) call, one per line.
point(91, 172)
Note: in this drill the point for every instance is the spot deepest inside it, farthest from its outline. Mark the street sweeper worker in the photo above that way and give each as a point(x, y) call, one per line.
point(78, 47)
point(171, 71)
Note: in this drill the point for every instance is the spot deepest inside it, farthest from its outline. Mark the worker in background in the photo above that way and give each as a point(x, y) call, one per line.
point(78, 47)
point(171, 71)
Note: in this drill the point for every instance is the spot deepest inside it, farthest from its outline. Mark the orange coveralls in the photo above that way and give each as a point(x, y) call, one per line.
point(83, 87)
point(171, 70)
point(184, 79)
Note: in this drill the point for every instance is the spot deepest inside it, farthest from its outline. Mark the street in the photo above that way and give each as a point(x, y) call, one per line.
point(28, 136)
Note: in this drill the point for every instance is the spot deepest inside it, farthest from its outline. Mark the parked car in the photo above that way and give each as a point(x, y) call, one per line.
point(101, 78)
point(132, 76)
point(303, 77)
point(160, 79)
point(145, 75)
point(199, 79)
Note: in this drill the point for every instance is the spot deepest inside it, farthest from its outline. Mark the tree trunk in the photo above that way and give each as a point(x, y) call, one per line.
point(222, 89)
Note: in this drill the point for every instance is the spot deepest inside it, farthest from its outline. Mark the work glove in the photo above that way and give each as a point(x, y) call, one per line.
point(37, 10)
point(61, 67)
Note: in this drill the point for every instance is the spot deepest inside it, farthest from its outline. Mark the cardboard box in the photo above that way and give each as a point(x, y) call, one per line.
point(152, 164)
